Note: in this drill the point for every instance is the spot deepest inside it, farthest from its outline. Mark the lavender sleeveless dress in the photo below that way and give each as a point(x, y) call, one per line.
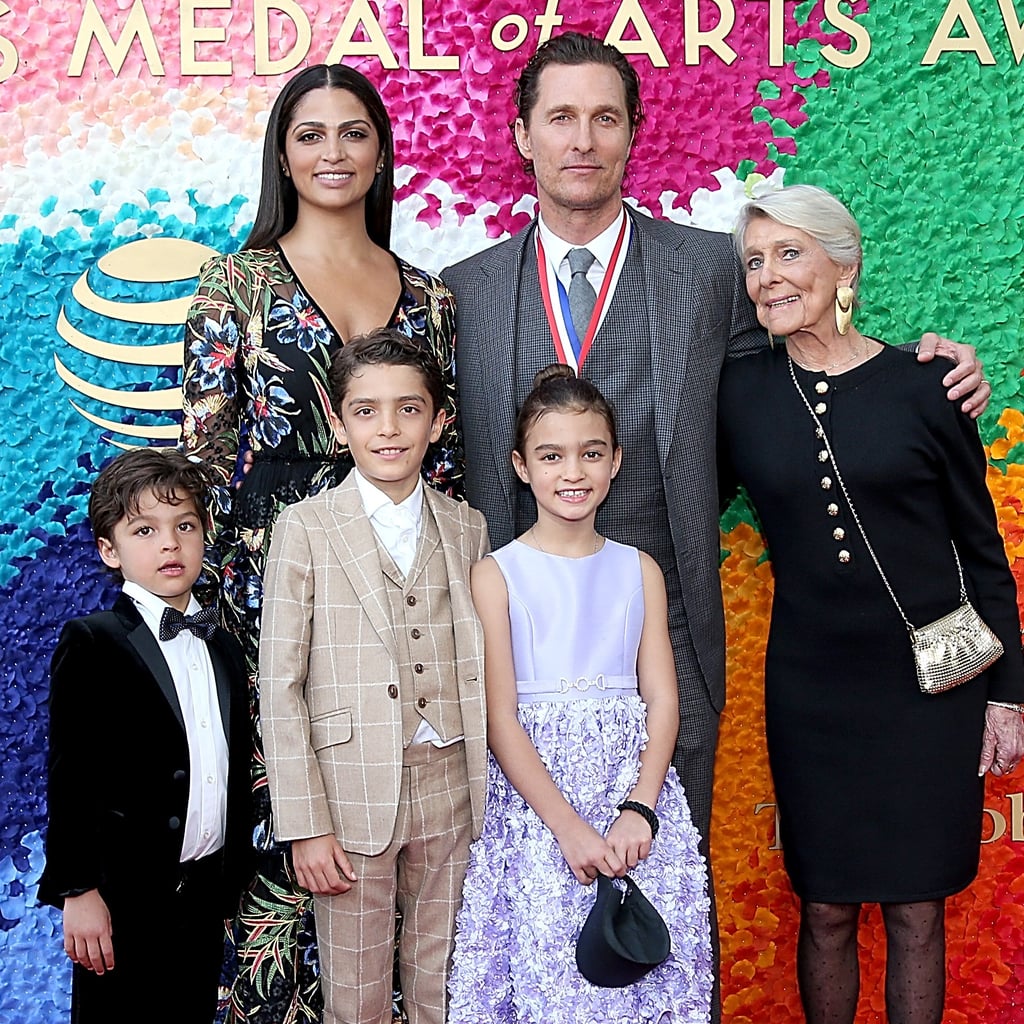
point(576, 625)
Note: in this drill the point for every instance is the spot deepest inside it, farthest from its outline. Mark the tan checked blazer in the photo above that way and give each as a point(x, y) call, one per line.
point(332, 731)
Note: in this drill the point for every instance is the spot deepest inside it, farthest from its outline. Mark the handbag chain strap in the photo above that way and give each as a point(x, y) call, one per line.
point(853, 511)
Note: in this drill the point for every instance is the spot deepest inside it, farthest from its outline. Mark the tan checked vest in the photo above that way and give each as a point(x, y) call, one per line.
point(421, 613)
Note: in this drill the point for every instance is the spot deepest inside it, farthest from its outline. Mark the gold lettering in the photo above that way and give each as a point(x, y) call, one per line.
point(631, 13)
point(1017, 817)
point(861, 40)
point(418, 60)
point(1014, 28)
point(974, 42)
point(776, 40)
point(776, 32)
point(548, 21)
point(264, 63)
point(998, 825)
point(360, 15)
point(520, 27)
point(713, 39)
point(8, 51)
point(777, 837)
point(136, 27)
point(192, 34)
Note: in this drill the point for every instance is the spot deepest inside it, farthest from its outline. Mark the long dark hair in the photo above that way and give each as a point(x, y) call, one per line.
point(278, 205)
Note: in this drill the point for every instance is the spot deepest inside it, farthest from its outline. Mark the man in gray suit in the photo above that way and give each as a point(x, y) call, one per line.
point(670, 306)
point(678, 308)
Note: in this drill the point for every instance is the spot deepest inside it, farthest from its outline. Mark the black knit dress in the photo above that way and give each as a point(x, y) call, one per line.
point(877, 784)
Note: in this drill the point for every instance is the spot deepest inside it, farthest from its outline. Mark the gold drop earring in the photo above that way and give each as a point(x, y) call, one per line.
point(844, 308)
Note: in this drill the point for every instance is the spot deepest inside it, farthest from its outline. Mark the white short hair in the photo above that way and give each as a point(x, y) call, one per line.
point(814, 211)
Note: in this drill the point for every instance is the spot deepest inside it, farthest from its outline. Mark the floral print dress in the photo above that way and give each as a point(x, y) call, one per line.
point(257, 349)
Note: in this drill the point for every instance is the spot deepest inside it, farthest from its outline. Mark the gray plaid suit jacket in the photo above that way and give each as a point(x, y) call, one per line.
point(696, 315)
point(332, 732)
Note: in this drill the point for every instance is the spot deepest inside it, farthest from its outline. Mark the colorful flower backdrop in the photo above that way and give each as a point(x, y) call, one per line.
point(926, 155)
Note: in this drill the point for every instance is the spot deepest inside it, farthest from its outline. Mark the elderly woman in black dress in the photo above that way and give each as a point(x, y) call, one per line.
point(879, 785)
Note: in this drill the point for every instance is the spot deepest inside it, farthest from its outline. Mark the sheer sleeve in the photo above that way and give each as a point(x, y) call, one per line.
point(212, 386)
point(445, 461)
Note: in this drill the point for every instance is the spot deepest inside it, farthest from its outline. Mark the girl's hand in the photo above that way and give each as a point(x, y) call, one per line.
point(588, 853)
point(630, 838)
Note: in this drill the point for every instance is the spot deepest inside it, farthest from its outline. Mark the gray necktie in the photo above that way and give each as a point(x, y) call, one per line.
point(582, 296)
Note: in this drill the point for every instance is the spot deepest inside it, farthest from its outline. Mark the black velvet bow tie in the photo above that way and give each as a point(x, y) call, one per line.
point(203, 624)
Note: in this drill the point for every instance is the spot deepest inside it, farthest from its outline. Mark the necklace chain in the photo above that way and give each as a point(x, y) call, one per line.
point(832, 366)
point(543, 550)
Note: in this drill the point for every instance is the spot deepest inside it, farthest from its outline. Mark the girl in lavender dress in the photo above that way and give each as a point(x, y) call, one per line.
point(582, 719)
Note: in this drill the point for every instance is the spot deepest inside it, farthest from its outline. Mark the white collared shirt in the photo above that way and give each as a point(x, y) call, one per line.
point(196, 686)
point(397, 527)
point(556, 252)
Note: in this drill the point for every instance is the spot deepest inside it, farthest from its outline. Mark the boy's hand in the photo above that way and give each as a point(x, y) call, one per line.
point(588, 853)
point(88, 939)
point(630, 837)
point(322, 866)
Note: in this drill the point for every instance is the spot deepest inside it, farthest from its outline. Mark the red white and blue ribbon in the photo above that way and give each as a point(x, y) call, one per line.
point(568, 346)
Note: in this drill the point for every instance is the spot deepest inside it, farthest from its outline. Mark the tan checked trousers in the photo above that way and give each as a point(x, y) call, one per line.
point(423, 869)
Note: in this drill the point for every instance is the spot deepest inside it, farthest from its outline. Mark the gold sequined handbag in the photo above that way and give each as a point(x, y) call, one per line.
point(953, 649)
point(950, 650)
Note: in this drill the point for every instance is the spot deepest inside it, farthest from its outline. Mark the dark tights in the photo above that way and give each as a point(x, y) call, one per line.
point(826, 962)
point(915, 969)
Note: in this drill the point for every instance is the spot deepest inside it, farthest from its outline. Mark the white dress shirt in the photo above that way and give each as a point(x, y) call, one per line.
point(556, 253)
point(397, 525)
point(192, 671)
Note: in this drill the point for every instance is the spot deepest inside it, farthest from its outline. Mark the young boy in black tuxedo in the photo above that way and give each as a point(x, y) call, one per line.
point(148, 838)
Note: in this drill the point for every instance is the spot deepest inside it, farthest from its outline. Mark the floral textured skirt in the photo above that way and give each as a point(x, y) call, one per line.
point(522, 911)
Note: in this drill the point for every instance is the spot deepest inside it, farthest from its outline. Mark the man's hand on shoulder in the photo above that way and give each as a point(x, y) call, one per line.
point(966, 379)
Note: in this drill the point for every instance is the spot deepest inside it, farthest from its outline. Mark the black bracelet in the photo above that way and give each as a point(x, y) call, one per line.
point(68, 894)
point(645, 812)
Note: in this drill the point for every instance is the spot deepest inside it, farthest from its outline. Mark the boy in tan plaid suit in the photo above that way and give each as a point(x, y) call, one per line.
point(372, 697)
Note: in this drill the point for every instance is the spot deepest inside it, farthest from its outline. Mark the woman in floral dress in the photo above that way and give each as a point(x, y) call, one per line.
point(314, 272)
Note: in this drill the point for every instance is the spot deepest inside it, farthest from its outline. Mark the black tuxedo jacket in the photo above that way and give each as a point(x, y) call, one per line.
point(119, 763)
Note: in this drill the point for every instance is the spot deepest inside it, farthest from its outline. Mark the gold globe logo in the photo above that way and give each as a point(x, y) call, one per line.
point(147, 262)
